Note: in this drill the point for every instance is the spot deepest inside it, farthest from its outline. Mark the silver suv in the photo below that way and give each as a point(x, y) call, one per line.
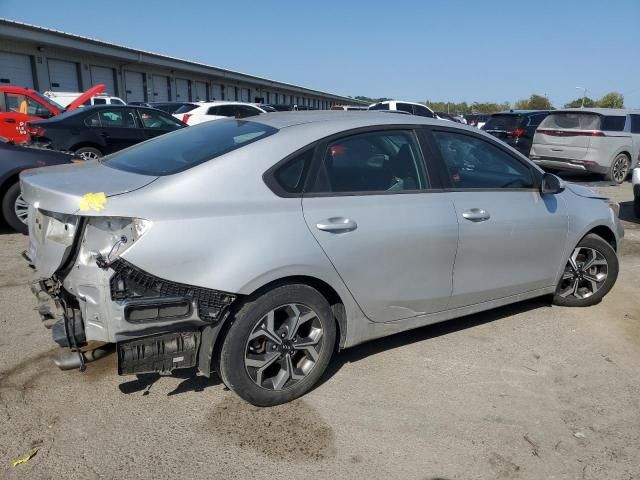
point(600, 140)
point(255, 248)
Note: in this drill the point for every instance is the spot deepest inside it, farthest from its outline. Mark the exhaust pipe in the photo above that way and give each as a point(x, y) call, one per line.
point(68, 360)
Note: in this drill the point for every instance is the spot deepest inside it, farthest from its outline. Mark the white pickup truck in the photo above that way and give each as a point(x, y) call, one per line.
point(65, 98)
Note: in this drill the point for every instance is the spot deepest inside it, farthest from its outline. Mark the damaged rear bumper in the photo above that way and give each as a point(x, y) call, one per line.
point(156, 324)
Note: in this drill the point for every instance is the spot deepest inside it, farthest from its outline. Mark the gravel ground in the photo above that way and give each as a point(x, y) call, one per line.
point(529, 391)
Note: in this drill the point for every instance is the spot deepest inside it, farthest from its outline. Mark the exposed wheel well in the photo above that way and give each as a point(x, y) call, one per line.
point(606, 234)
point(326, 290)
point(86, 144)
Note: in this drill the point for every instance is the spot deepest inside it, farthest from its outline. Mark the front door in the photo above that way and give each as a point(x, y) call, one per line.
point(391, 240)
point(512, 237)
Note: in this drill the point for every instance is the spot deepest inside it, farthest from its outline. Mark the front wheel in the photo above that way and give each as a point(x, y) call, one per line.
point(589, 274)
point(278, 345)
point(619, 169)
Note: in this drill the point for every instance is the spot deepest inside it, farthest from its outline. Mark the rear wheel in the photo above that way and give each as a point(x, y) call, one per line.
point(89, 153)
point(619, 169)
point(278, 345)
point(15, 209)
point(636, 206)
point(589, 274)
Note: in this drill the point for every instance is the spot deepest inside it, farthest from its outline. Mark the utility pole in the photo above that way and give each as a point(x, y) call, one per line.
point(584, 94)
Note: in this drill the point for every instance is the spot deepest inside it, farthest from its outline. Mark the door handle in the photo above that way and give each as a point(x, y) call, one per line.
point(476, 215)
point(10, 120)
point(337, 225)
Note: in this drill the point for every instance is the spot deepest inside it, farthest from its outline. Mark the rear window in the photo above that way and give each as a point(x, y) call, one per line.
point(504, 122)
point(379, 106)
point(578, 121)
point(612, 123)
point(174, 152)
point(187, 107)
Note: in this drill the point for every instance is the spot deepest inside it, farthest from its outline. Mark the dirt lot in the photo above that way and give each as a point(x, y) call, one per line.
point(529, 391)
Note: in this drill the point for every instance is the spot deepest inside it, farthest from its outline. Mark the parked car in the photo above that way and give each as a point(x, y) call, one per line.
point(266, 107)
point(207, 111)
point(13, 160)
point(448, 116)
point(477, 119)
point(635, 180)
point(66, 98)
point(599, 140)
point(515, 128)
point(256, 247)
point(281, 107)
point(92, 132)
point(409, 107)
point(20, 105)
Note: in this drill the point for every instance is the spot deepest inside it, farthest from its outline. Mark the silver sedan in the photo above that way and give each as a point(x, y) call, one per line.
point(258, 247)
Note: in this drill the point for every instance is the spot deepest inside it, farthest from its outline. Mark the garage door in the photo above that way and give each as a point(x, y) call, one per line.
point(230, 94)
point(216, 92)
point(134, 87)
point(182, 90)
point(16, 70)
point(160, 88)
point(105, 76)
point(201, 92)
point(245, 95)
point(63, 76)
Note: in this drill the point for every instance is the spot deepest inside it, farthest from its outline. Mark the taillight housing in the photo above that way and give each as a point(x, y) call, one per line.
point(35, 131)
point(518, 132)
point(186, 117)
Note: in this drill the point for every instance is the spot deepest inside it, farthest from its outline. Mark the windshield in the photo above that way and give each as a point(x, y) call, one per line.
point(504, 122)
point(174, 152)
point(577, 120)
point(50, 102)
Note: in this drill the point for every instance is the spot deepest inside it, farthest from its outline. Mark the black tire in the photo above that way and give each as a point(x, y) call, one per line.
point(618, 174)
point(231, 361)
point(636, 206)
point(88, 153)
point(8, 209)
point(601, 246)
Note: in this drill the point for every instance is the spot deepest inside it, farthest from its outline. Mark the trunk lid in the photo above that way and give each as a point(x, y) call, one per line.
point(59, 197)
point(566, 135)
point(504, 126)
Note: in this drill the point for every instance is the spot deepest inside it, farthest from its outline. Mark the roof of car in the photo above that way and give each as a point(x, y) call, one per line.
point(601, 111)
point(344, 119)
point(520, 112)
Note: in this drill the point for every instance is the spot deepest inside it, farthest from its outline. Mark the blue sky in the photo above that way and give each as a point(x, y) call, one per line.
point(490, 50)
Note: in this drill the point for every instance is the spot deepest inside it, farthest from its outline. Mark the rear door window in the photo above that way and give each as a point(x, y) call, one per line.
point(571, 120)
point(611, 123)
point(422, 111)
point(118, 119)
point(246, 111)
point(158, 121)
point(536, 118)
point(385, 161)
point(635, 123)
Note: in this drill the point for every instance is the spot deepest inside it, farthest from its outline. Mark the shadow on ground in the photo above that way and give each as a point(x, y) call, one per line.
point(627, 214)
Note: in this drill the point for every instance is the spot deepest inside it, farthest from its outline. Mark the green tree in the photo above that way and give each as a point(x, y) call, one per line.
point(588, 103)
point(611, 100)
point(534, 102)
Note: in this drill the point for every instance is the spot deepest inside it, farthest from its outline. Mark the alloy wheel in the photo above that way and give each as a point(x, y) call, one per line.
point(620, 169)
point(284, 346)
point(88, 155)
point(585, 273)
point(21, 209)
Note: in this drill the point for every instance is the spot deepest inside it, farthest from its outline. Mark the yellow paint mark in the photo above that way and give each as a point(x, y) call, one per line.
point(93, 201)
point(26, 458)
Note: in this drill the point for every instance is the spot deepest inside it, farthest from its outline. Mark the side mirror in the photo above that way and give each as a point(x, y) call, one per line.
point(551, 184)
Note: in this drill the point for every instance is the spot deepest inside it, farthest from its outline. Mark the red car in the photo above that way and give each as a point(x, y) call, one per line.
point(19, 105)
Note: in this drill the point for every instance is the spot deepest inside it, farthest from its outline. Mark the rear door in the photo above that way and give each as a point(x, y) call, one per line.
point(391, 239)
point(511, 238)
point(119, 128)
point(565, 135)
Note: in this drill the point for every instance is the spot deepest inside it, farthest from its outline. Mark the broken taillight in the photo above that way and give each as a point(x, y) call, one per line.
point(35, 131)
point(186, 117)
